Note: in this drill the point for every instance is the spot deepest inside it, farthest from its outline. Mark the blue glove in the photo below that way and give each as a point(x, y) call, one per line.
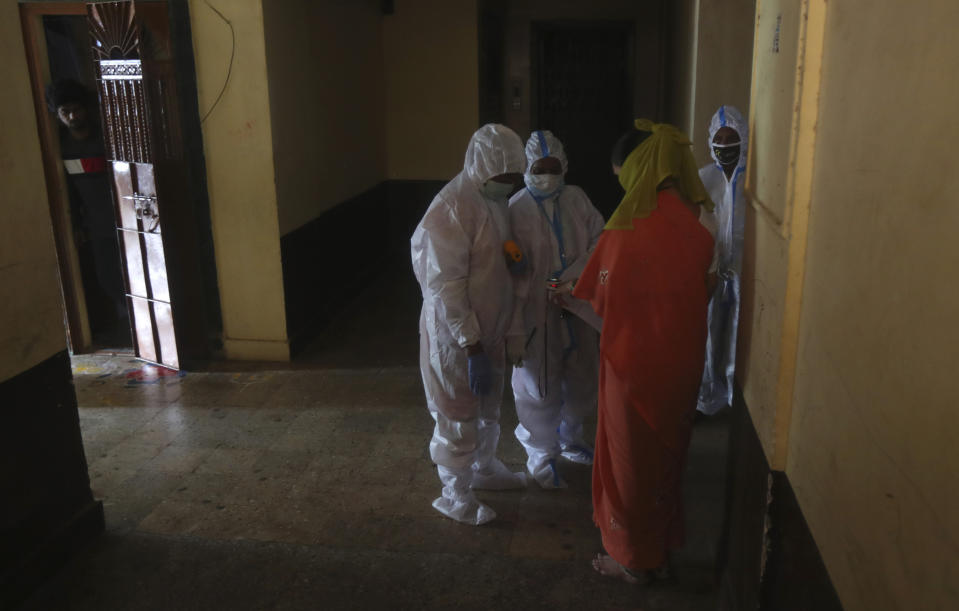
point(481, 374)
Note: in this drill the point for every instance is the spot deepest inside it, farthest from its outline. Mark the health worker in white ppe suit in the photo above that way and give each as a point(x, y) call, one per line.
point(723, 179)
point(466, 280)
point(556, 359)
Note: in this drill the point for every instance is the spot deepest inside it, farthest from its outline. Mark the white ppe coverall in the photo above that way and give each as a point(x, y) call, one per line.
point(457, 252)
point(556, 386)
point(716, 390)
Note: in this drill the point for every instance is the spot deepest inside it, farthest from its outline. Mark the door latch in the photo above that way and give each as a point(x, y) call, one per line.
point(144, 206)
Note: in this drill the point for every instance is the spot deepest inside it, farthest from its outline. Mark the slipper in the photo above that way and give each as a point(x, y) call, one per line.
point(606, 566)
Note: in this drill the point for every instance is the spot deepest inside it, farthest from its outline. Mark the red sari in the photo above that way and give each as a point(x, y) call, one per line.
point(649, 285)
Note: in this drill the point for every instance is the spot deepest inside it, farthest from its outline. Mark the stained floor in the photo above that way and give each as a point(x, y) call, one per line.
point(309, 487)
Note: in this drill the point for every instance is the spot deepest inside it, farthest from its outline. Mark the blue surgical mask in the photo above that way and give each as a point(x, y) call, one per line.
point(497, 191)
point(543, 186)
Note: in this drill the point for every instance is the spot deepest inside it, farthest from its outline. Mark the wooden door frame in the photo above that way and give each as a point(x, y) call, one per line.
point(192, 266)
point(76, 316)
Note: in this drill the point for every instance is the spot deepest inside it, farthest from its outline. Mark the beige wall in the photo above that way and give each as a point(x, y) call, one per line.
point(324, 102)
point(432, 88)
point(711, 50)
point(723, 70)
point(327, 103)
point(31, 318)
point(237, 141)
point(683, 40)
point(856, 207)
point(872, 446)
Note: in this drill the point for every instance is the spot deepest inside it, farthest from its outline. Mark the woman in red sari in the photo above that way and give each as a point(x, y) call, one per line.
point(648, 279)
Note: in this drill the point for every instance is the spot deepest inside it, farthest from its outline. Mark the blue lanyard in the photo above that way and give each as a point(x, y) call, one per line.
point(557, 224)
point(557, 221)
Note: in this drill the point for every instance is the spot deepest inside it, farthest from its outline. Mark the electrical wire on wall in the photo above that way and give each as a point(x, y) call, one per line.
point(229, 70)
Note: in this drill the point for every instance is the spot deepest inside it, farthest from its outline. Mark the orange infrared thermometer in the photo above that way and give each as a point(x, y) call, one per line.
point(512, 251)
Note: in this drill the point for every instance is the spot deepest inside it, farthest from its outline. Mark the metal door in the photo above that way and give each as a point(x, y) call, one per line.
point(132, 107)
point(582, 78)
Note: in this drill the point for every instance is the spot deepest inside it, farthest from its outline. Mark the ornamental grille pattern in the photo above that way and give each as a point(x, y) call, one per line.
point(126, 128)
point(115, 69)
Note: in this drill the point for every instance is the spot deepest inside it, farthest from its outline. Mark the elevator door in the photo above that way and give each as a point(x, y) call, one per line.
point(582, 80)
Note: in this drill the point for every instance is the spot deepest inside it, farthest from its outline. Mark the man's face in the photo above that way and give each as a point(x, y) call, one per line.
point(546, 165)
point(726, 135)
point(726, 145)
point(73, 115)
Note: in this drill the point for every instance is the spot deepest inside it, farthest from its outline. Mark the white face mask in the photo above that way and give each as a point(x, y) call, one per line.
point(544, 185)
point(497, 191)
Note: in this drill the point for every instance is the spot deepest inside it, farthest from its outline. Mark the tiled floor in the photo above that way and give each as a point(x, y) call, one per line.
point(311, 489)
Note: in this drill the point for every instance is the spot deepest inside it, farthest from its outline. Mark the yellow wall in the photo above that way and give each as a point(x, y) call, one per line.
point(327, 90)
point(858, 404)
point(432, 89)
point(872, 446)
point(238, 146)
point(31, 316)
point(768, 220)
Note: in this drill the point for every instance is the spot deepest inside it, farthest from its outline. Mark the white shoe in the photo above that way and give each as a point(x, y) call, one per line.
point(579, 453)
point(548, 477)
point(458, 502)
point(497, 476)
point(467, 510)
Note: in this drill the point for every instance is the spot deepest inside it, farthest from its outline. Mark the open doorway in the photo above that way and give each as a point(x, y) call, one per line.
point(78, 179)
point(143, 130)
point(71, 98)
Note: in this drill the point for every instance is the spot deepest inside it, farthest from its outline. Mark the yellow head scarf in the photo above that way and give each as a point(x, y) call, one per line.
point(664, 154)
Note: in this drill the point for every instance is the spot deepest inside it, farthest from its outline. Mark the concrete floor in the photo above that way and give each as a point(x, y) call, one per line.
point(309, 487)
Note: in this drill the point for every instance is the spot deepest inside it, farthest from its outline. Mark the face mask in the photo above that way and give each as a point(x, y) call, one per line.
point(543, 185)
point(727, 154)
point(497, 191)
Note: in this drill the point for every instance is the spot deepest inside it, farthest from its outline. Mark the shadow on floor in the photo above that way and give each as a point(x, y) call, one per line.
point(377, 328)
